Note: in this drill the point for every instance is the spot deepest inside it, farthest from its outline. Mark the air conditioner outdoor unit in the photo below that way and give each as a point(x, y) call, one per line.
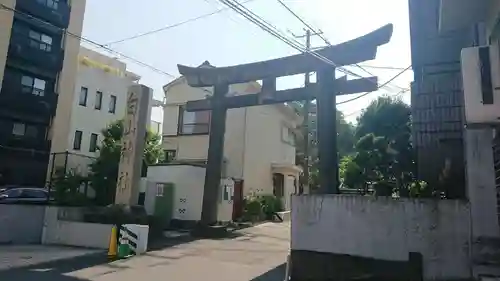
point(481, 85)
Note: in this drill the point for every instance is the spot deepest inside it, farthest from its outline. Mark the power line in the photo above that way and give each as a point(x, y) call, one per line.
point(382, 67)
point(320, 34)
point(170, 26)
point(254, 18)
point(388, 81)
point(395, 96)
point(248, 15)
point(157, 70)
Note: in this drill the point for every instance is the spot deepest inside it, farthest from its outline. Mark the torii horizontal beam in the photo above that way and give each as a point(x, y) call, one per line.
point(344, 87)
point(354, 51)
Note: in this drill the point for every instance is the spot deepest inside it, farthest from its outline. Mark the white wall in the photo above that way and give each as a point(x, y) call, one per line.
point(86, 118)
point(188, 190)
point(388, 229)
point(264, 146)
point(70, 233)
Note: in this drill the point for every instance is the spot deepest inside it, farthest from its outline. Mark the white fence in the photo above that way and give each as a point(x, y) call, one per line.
point(386, 229)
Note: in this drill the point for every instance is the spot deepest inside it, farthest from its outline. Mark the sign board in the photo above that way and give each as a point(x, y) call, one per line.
point(134, 136)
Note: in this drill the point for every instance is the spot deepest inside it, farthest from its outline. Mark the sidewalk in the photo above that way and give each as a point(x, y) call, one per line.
point(13, 256)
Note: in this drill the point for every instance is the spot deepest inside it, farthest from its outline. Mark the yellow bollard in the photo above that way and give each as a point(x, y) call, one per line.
point(113, 247)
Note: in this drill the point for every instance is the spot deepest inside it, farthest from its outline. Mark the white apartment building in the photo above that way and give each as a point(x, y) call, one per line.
point(99, 99)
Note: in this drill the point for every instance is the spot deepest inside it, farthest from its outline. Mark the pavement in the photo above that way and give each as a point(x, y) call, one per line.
point(253, 254)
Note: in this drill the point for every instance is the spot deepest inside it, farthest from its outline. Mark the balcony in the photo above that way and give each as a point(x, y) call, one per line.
point(24, 143)
point(27, 106)
point(58, 14)
point(21, 50)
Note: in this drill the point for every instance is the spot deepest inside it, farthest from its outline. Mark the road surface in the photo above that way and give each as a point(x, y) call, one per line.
point(257, 254)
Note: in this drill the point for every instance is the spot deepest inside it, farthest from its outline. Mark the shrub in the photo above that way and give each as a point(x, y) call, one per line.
point(252, 210)
point(258, 207)
point(270, 205)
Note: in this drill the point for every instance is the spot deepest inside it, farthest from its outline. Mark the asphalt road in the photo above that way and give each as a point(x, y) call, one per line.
point(255, 254)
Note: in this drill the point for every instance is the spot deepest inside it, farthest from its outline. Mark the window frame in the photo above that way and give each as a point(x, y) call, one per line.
point(32, 88)
point(94, 139)
point(13, 131)
point(82, 90)
point(112, 101)
point(26, 128)
point(37, 38)
point(98, 100)
point(181, 124)
point(169, 152)
point(289, 136)
point(77, 142)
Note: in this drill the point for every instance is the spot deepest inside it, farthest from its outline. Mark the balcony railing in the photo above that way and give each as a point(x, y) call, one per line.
point(57, 14)
point(24, 143)
point(20, 48)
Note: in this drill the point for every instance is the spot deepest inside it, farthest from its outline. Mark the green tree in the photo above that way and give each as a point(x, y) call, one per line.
point(104, 170)
point(383, 152)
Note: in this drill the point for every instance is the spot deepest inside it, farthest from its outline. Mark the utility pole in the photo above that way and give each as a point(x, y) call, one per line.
point(305, 112)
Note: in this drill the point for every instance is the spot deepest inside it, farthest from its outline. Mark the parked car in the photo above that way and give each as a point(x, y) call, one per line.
point(24, 195)
point(6, 187)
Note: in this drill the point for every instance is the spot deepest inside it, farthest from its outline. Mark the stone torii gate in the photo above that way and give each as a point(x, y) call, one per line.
point(325, 91)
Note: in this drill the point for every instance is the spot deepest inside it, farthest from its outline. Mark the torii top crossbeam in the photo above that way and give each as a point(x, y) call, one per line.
point(354, 51)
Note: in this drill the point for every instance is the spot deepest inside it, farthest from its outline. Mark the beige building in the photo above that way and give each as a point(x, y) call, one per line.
point(39, 45)
point(99, 99)
point(259, 143)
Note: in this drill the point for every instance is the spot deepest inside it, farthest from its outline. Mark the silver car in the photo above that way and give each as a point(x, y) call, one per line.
point(24, 195)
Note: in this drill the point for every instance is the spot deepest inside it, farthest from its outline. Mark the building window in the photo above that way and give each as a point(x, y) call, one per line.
point(193, 123)
point(112, 104)
point(83, 96)
point(77, 141)
point(23, 130)
point(19, 129)
point(98, 100)
point(40, 41)
point(287, 135)
point(169, 155)
point(34, 86)
point(93, 143)
point(53, 4)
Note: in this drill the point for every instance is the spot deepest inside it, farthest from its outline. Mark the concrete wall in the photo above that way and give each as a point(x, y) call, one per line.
point(71, 233)
point(387, 229)
point(21, 224)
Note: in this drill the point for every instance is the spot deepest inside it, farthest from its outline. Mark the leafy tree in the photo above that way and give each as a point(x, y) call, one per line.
point(384, 154)
point(104, 171)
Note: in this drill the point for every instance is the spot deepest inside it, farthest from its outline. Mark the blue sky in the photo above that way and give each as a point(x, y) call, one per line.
point(228, 39)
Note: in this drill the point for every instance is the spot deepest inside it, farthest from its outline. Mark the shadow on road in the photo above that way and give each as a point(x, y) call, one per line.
point(57, 270)
point(54, 270)
point(275, 274)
